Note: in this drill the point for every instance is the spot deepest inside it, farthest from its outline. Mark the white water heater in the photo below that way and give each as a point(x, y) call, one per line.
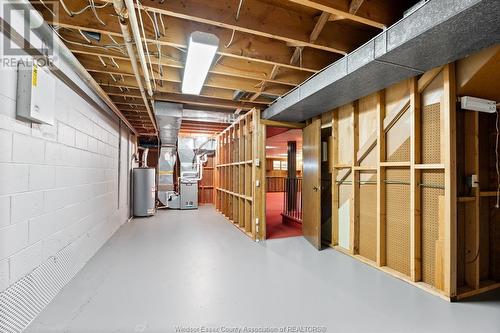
point(144, 191)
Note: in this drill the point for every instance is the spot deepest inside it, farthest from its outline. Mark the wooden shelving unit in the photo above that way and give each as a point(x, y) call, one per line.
point(239, 180)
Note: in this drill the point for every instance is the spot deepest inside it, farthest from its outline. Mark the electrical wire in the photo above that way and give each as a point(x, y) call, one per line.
point(102, 61)
point(230, 40)
point(47, 7)
point(238, 11)
point(78, 12)
point(105, 47)
point(162, 25)
point(94, 10)
point(112, 39)
point(85, 37)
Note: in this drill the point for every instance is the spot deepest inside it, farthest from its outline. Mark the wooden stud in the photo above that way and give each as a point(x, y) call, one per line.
point(381, 146)
point(335, 190)
point(415, 194)
point(354, 229)
point(450, 211)
point(472, 211)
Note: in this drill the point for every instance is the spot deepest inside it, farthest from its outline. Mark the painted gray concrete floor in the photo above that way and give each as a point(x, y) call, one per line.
point(194, 269)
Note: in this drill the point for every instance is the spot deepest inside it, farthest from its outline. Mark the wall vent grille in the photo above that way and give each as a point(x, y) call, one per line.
point(26, 298)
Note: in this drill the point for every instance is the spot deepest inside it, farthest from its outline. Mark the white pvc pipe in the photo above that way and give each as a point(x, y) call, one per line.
point(138, 43)
point(118, 4)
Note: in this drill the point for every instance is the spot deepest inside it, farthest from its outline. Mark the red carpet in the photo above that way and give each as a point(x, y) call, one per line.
point(275, 228)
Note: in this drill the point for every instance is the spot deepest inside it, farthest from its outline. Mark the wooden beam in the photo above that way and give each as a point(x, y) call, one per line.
point(286, 124)
point(285, 25)
point(318, 27)
point(246, 47)
point(354, 223)
point(329, 7)
point(205, 101)
point(428, 77)
point(381, 152)
point(415, 175)
point(354, 6)
point(450, 196)
point(472, 216)
point(113, 87)
point(232, 68)
point(335, 191)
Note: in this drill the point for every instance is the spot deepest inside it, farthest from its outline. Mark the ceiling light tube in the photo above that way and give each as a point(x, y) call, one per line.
point(201, 52)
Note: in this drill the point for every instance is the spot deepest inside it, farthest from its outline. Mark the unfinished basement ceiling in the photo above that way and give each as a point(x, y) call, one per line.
point(436, 33)
point(267, 47)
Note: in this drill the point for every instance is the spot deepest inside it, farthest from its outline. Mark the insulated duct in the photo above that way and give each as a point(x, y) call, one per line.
point(437, 33)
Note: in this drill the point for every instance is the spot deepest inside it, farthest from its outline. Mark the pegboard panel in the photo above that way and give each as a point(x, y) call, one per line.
point(430, 192)
point(397, 207)
point(402, 154)
point(398, 140)
point(431, 133)
point(368, 216)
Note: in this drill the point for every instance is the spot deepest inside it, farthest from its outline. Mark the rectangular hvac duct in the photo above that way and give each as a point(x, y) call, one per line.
point(169, 119)
point(437, 33)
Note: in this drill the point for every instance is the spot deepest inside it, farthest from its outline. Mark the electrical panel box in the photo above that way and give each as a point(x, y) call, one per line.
point(36, 90)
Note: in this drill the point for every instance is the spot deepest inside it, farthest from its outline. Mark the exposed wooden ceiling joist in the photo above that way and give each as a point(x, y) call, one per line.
point(244, 46)
point(376, 19)
point(256, 17)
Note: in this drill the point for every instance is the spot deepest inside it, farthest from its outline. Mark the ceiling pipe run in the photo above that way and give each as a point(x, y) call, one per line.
point(67, 64)
point(122, 13)
point(138, 42)
point(437, 33)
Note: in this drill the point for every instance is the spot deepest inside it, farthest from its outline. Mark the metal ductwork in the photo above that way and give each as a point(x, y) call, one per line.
point(437, 33)
point(169, 118)
point(209, 116)
point(192, 153)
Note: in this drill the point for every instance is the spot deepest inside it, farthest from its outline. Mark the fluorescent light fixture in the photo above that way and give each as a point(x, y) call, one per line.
point(201, 51)
point(271, 147)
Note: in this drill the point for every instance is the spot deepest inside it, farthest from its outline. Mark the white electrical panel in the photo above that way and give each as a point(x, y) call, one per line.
point(35, 94)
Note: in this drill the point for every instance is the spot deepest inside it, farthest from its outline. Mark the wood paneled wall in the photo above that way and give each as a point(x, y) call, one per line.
point(392, 174)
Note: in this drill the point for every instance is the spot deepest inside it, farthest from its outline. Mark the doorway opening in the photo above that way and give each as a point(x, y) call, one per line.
point(283, 182)
point(326, 187)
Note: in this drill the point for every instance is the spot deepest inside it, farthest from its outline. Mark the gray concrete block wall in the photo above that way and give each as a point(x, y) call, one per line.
point(58, 184)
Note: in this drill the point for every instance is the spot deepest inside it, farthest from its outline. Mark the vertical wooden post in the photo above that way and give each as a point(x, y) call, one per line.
point(381, 221)
point(415, 193)
point(354, 230)
point(335, 188)
point(259, 177)
point(472, 210)
point(450, 192)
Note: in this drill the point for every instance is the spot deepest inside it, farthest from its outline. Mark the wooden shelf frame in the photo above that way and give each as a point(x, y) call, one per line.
point(238, 174)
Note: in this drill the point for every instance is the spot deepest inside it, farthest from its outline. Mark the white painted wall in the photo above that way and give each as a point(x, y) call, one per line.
point(58, 184)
